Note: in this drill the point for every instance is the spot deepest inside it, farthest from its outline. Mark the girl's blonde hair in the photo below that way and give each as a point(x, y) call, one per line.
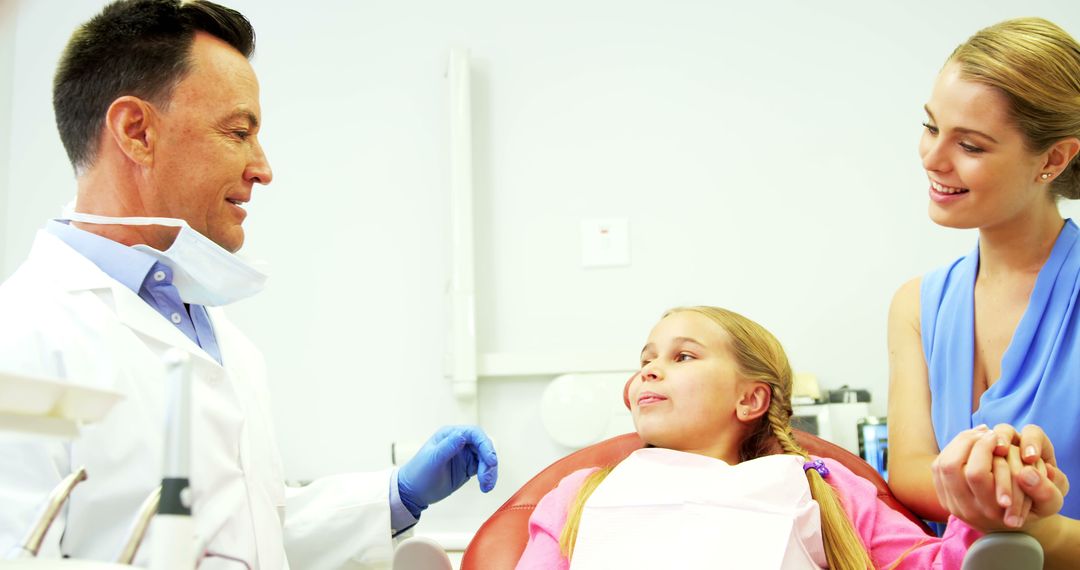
point(760, 358)
point(1036, 64)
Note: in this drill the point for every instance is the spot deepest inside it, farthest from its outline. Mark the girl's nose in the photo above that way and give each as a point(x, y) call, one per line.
point(650, 373)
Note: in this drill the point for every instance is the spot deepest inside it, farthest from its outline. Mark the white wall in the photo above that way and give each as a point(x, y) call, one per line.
point(765, 155)
point(7, 67)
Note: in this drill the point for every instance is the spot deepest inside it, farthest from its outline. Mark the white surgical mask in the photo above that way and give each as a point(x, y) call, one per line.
point(204, 273)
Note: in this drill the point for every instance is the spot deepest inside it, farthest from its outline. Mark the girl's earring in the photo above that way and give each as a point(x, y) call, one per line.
point(1045, 175)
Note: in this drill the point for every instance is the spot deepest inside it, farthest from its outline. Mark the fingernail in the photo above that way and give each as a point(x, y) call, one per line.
point(1013, 521)
point(1030, 477)
point(1005, 501)
point(981, 427)
point(1029, 451)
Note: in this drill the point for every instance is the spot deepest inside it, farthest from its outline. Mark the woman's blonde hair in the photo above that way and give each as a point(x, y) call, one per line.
point(1036, 64)
point(760, 358)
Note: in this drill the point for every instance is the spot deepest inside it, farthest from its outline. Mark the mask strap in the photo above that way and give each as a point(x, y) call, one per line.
point(69, 213)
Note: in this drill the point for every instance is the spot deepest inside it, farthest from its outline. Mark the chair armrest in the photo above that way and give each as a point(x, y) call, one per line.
point(420, 553)
point(1004, 551)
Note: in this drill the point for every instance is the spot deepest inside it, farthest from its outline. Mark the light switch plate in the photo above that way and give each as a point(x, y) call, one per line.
point(605, 242)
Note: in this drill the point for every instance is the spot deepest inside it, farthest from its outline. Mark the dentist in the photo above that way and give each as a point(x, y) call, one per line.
point(158, 109)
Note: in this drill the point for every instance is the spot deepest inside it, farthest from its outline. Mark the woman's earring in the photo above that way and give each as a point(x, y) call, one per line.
point(1045, 175)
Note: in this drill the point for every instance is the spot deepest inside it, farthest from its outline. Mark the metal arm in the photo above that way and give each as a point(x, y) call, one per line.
point(138, 528)
point(32, 543)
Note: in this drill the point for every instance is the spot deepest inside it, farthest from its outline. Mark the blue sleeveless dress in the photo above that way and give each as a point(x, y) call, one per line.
point(1040, 370)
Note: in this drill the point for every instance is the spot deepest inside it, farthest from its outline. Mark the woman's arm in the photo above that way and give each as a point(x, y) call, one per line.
point(1060, 539)
point(912, 444)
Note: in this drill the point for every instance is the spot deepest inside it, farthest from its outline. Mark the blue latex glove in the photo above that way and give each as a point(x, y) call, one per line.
point(445, 463)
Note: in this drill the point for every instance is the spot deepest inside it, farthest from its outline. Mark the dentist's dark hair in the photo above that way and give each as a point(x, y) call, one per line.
point(140, 48)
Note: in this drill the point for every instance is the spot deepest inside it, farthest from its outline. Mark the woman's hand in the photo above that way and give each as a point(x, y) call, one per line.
point(1046, 487)
point(983, 477)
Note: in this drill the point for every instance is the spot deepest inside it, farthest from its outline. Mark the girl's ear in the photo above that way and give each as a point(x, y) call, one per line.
point(754, 403)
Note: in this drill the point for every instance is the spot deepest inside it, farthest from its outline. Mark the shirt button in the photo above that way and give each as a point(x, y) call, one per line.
point(159, 275)
point(175, 318)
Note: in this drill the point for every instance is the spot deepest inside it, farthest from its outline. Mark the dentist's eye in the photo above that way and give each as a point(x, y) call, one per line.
point(242, 135)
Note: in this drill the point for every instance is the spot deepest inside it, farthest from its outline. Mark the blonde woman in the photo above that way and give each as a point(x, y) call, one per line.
point(713, 397)
point(994, 338)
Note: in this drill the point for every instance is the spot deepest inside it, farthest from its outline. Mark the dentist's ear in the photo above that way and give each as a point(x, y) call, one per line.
point(129, 124)
point(755, 401)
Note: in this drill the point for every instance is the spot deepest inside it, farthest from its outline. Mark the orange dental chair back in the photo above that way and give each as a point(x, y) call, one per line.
point(498, 544)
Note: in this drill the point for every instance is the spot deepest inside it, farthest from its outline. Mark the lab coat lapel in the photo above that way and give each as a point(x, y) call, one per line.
point(74, 273)
point(143, 319)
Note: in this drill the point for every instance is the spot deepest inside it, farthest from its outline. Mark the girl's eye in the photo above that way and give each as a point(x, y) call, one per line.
point(930, 128)
point(683, 357)
point(645, 363)
point(970, 148)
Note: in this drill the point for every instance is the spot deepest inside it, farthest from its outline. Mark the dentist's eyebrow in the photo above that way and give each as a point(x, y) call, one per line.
point(252, 120)
point(963, 129)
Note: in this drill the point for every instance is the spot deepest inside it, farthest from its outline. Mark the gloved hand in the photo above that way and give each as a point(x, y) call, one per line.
point(445, 463)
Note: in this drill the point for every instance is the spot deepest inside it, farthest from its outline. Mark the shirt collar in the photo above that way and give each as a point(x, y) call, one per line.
point(126, 265)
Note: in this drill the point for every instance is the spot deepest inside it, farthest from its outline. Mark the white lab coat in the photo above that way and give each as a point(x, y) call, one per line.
point(60, 303)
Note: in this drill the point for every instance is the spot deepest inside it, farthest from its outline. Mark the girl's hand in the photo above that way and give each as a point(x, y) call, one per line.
point(966, 481)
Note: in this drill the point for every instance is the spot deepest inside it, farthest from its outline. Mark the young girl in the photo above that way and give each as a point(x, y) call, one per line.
point(714, 397)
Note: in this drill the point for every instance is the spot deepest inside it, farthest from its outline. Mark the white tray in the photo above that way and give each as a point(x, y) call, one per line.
point(36, 405)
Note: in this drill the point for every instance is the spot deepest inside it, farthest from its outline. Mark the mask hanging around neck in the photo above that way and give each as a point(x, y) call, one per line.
point(204, 273)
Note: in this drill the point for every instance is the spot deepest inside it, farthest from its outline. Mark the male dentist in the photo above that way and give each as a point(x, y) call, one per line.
point(158, 108)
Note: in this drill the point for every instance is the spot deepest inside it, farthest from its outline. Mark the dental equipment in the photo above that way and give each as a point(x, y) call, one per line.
point(139, 526)
point(32, 543)
point(174, 528)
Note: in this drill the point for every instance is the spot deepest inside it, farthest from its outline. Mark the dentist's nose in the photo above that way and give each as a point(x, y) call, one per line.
point(258, 169)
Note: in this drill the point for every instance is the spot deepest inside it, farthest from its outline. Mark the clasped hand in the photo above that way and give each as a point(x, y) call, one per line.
point(999, 479)
point(445, 463)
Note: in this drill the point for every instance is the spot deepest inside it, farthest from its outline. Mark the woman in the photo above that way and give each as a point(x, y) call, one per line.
point(712, 399)
point(994, 338)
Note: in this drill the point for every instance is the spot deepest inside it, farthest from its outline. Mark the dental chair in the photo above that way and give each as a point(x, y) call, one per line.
point(500, 541)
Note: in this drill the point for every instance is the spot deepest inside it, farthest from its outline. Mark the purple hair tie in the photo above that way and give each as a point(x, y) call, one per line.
point(817, 465)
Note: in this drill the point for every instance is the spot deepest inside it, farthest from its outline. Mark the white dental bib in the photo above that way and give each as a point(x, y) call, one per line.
point(661, 508)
